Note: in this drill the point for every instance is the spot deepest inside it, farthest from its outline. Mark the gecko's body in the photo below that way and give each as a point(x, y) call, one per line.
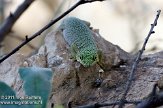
point(80, 39)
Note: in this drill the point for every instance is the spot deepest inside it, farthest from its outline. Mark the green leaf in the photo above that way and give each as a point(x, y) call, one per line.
point(7, 97)
point(37, 84)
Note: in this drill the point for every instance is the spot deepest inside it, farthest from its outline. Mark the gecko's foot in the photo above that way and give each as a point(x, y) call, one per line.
point(72, 56)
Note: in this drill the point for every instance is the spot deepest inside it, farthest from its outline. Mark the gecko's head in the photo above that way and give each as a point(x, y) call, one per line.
point(87, 57)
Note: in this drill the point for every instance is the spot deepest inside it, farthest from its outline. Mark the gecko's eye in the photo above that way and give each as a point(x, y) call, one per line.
point(94, 58)
point(81, 57)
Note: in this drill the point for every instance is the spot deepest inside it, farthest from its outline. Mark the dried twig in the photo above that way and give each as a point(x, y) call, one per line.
point(46, 27)
point(6, 26)
point(134, 66)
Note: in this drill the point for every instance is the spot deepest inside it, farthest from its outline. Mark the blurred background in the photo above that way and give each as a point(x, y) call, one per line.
point(125, 23)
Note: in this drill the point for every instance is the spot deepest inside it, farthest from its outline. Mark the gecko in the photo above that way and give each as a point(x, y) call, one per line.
point(80, 38)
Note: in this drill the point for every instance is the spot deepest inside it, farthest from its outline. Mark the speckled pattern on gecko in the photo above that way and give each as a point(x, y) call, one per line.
point(80, 38)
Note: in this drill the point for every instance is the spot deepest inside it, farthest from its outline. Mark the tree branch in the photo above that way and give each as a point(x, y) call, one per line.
point(46, 27)
point(6, 26)
point(134, 66)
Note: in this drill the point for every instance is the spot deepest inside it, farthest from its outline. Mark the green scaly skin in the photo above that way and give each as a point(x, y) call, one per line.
point(79, 36)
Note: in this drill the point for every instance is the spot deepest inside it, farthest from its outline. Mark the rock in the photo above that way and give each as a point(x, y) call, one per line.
point(9, 72)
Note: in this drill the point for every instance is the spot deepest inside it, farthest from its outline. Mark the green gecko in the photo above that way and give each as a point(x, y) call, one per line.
point(79, 37)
